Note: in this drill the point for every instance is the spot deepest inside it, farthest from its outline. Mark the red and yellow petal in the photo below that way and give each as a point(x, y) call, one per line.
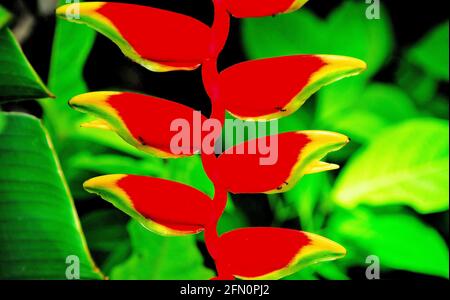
point(162, 206)
point(262, 8)
point(157, 39)
point(276, 87)
point(273, 253)
point(142, 121)
point(277, 168)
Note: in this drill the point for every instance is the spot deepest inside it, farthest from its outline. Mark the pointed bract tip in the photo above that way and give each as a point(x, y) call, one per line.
point(90, 99)
point(95, 184)
point(321, 243)
point(296, 5)
point(73, 11)
point(326, 137)
point(344, 64)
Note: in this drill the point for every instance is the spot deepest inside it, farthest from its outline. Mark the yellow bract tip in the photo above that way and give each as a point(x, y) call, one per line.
point(326, 138)
point(102, 182)
point(297, 4)
point(320, 243)
point(90, 99)
point(73, 11)
point(344, 64)
point(320, 166)
point(99, 124)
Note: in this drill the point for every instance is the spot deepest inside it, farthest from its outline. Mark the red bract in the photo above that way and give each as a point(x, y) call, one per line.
point(163, 206)
point(276, 87)
point(262, 8)
point(272, 253)
point(246, 168)
point(261, 89)
point(143, 121)
point(157, 39)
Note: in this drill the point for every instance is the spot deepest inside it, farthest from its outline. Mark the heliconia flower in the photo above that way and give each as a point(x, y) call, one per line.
point(273, 253)
point(275, 87)
point(157, 39)
point(162, 206)
point(275, 167)
point(142, 121)
point(262, 8)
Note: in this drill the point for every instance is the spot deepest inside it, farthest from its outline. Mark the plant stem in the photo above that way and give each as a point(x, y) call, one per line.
point(211, 82)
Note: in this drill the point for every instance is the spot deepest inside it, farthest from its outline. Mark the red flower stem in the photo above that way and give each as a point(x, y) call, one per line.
point(210, 75)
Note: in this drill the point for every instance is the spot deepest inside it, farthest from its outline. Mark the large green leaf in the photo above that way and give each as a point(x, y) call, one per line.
point(404, 165)
point(18, 80)
point(401, 241)
point(432, 52)
point(39, 227)
point(157, 257)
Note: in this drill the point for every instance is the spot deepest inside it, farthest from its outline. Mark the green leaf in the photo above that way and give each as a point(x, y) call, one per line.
point(71, 47)
point(432, 52)
point(116, 164)
point(39, 227)
point(5, 17)
point(18, 79)
point(287, 34)
point(401, 241)
point(407, 164)
point(306, 195)
point(189, 170)
point(379, 106)
point(421, 86)
point(352, 34)
point(157, 257)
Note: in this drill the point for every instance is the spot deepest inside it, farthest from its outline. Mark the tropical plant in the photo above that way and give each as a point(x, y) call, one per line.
point(388, 204)
point(258, 90)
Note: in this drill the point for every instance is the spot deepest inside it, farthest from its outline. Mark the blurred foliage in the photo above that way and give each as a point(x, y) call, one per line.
point(412, 169)
point(158, 257)
point(400, 147)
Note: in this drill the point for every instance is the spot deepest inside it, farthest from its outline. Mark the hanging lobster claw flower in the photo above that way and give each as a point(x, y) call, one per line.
point(157, 39)
point(143, 121)
point(262, 8)
point(275, 87)
point(273, 253)
point(162, 206)
point(274, 164)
